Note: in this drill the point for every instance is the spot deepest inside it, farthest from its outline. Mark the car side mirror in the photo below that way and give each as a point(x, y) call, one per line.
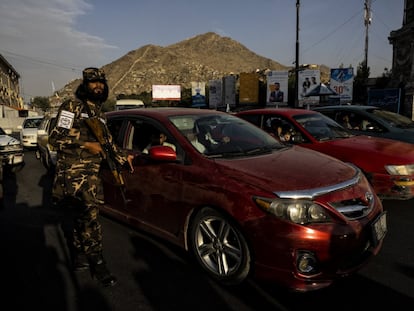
point(162, 153)
point(296, 139)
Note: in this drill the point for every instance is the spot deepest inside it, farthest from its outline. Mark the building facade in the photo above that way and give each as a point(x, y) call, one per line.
point(9, 85)
point(402, 77)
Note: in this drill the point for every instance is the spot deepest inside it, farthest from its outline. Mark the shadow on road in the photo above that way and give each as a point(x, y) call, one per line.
point(36, 273)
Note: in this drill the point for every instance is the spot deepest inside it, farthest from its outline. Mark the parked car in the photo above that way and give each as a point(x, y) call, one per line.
point(245, 205)
point(388, 164)
point(28, 131)
point(11, 153)
point(45, 152)
point(372, 121)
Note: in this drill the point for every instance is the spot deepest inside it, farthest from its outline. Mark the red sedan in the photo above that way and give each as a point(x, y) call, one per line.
point(243, 204)
point(388, 164)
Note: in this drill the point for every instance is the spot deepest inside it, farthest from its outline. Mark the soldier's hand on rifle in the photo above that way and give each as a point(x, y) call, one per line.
point(93, 147)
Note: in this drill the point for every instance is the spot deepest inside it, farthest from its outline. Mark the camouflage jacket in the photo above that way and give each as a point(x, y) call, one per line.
point(77, 170)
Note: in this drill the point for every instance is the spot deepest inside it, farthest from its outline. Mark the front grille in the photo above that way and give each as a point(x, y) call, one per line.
point(353, 208)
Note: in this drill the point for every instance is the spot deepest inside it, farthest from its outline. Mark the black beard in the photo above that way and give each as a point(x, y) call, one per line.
point(97, 96)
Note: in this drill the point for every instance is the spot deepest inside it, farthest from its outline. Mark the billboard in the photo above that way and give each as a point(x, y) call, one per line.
point(198, 94)
point(215, 93)
point(229, 88)
point(308, 80)
point(388, 99)
point(166, 92)
point(342, 80)
point(277, 87)
point(249, 88)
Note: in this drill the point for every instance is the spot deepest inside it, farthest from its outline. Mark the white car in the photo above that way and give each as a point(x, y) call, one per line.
point(28, 131)
point(11, 152)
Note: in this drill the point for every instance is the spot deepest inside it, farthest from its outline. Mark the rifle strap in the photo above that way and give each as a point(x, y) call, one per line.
point(87, 108)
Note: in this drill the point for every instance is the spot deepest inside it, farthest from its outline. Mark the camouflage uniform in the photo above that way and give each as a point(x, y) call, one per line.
point(77, 182)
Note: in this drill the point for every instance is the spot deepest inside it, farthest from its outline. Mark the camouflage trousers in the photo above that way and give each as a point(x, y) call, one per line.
point(87, 232)
point(77, 186)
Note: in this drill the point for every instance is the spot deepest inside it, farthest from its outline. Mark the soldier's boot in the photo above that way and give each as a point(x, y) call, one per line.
point(80, 262)
point(100, 271)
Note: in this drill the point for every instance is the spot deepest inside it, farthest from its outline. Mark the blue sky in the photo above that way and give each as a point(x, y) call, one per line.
point(49, 42)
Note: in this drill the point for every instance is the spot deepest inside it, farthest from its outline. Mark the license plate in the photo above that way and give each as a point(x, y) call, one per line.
point(17, 159)
point(379, 228)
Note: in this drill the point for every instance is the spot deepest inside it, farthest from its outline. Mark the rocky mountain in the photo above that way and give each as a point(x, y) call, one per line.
point(200, 58)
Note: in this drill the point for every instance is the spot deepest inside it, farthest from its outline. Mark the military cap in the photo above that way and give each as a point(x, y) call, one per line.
point(91, 74)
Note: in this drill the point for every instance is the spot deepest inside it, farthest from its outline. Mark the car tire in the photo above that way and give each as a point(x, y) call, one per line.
point(219, 247)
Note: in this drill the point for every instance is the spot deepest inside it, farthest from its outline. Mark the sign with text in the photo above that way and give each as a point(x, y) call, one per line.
point(215, 93)
point(308, 80)
point(198, 94)
point(166, 92)
point(277, 87)
point(342, 80)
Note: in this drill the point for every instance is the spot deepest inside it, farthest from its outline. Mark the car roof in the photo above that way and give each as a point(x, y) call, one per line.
point(281, 111)
point(347, 107)
point(164, 111)
point(34, 117)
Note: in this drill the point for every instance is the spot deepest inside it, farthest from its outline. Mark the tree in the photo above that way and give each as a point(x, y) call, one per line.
point(41, 103)
point(360, 92)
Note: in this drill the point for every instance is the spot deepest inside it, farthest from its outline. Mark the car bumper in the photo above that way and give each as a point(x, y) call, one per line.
point(12, 159)
point(393, 187)
point(336, 250)
point(29, 143)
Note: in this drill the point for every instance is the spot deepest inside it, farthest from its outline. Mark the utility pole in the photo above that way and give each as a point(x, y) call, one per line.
point(297, 56)
point(367, 22)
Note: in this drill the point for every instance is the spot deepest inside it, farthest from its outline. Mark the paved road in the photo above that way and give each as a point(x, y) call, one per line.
point(156, 276)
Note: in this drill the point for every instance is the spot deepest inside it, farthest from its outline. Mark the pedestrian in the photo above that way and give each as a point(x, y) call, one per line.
point(77, 183)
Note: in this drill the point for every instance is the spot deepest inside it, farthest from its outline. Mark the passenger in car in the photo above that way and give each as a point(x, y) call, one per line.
point(276, 127)
point(285, 133)
point(192, 136)
point(158, 139)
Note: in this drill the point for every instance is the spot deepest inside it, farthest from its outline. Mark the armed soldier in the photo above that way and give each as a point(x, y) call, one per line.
point(77, 183)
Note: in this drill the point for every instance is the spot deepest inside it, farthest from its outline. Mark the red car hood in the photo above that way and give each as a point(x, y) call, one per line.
point(296, 168)
point(366, 151)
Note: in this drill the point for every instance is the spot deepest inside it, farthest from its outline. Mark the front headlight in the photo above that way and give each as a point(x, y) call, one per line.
point(8, 148)
point(295, 210)
point(402, 170)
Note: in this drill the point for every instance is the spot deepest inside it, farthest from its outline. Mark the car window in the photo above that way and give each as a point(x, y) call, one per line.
point(224, 135)
point(32, 123)
point(321, 127)
point(135, 133)
point(392, 118)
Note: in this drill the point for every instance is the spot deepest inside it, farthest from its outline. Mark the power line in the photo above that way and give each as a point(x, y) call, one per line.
point(68, 67)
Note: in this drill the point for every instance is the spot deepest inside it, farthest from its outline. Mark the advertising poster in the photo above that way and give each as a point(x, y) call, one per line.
point(342, 80)
point(388, 99)
point(166, 92)
point(229, 88)
point(277, 87)
point(198, 94)
point(249, 89)
point(308, 80)
point(215, 93)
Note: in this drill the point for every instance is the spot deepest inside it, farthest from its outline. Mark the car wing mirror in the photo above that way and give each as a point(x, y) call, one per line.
point(163, 153)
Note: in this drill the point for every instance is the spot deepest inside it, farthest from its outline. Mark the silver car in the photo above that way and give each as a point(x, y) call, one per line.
point(45, 152)
point(11, 152)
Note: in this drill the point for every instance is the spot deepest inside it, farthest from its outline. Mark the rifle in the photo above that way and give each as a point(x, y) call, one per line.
point(100, 133)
